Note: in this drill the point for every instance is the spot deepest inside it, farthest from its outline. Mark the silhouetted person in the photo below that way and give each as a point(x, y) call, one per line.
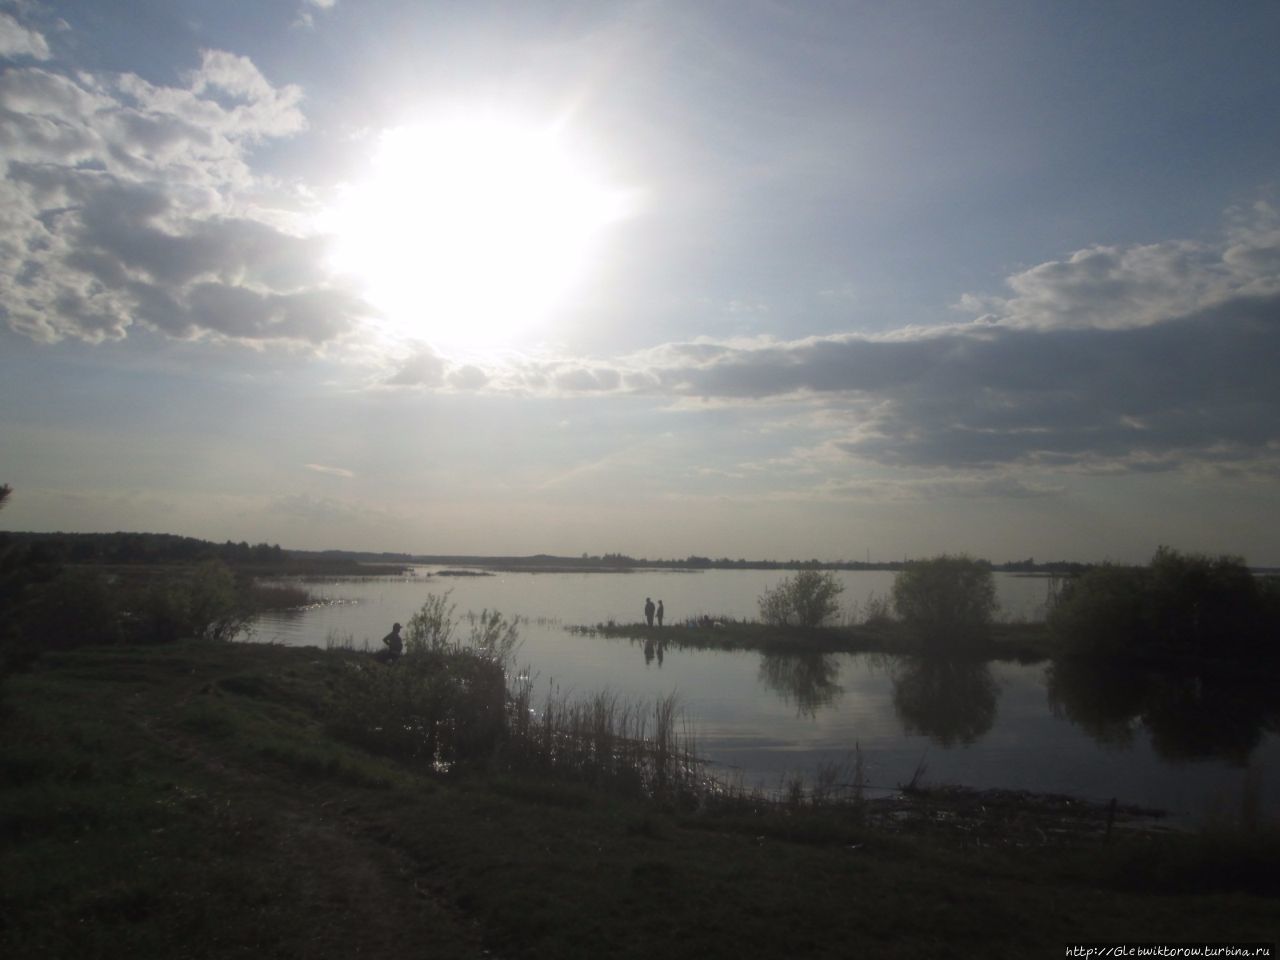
point(394, 645)
point(648, 611)
point(659, 613)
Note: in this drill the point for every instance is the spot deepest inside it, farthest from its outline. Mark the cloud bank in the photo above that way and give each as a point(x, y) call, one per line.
point(1144, 358)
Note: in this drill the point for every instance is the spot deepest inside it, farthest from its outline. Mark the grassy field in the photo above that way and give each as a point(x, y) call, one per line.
point(192, 801)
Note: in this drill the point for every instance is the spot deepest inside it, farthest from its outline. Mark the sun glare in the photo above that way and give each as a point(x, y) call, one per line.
point(471, 228)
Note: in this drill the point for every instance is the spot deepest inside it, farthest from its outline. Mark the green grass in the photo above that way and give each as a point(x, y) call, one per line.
point(191, 801)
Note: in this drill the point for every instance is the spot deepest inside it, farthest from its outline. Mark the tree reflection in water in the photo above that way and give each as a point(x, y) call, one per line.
point(808, 680)
point(949, 701)
point(1191, 714)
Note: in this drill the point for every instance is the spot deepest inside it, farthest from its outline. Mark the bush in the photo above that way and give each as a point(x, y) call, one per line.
point(431, 706)
point(82, 606)
point(1101, 612)
point(806, 600)
point(431, 628)
point(493, 636)
point(75, 608)
point(1179, 603)
point(947, 597)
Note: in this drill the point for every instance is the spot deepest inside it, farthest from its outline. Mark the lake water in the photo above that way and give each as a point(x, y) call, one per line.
point(1189, 745)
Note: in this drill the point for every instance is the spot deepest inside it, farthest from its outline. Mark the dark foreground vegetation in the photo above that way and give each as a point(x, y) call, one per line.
point(164, 793)
point(216, 800)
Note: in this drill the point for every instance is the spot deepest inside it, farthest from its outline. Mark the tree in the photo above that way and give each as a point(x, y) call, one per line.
point(1179, 603)
point(809, 599)
point(946, 598)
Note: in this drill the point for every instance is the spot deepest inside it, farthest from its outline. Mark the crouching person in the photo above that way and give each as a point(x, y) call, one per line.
point(393, 646)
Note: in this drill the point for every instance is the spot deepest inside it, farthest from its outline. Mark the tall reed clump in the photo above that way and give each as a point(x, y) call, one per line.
point(606, 741)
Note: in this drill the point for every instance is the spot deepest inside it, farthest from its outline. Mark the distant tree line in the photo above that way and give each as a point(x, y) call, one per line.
point(1064, 568)
point(140, 549)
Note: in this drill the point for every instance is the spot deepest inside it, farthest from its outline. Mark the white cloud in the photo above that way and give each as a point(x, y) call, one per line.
point(129, 203)
point(422, 368)
point(307, 12)
point(1109, 287)
point(18, 41)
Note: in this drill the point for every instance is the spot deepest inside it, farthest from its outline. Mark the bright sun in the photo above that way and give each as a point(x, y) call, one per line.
point(471, 228)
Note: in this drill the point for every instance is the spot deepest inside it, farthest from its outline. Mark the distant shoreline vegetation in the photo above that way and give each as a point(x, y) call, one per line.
point(151, 548)
point(145, 548)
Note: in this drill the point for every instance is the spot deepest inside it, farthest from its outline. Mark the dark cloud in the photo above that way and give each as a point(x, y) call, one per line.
point(1200, 387)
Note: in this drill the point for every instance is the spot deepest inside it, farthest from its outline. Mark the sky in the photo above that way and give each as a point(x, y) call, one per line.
point(763, 279)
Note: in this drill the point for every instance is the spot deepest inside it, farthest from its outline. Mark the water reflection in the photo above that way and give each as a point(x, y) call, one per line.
point(949, 701)
point(653, 648)
point(809, 681)
point(1191, 714)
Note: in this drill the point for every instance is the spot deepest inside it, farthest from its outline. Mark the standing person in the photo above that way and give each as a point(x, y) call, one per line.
point(659, 613)
point(648, 611)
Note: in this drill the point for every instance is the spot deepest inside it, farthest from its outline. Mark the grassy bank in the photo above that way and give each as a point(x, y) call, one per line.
point(193, 800)
point(1024, 642)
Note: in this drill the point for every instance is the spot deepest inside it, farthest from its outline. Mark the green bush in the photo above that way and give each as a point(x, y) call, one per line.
point(948, 598)
point(1179, 603)
point(431, 706)
point(83, 606)
point(1101, 612)
point(442, 702)
point(493, 636)
point(809, 599)
point(430, 630)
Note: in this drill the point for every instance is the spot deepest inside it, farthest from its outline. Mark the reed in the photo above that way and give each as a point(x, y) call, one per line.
point(605, 740)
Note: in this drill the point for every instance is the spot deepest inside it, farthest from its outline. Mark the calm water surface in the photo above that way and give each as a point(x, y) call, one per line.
point(1192, 746)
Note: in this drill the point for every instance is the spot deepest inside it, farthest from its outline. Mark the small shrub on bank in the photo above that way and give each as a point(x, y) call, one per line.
point(946, 599)
point(493, 636)
point(809, 599)
point(431, 628)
